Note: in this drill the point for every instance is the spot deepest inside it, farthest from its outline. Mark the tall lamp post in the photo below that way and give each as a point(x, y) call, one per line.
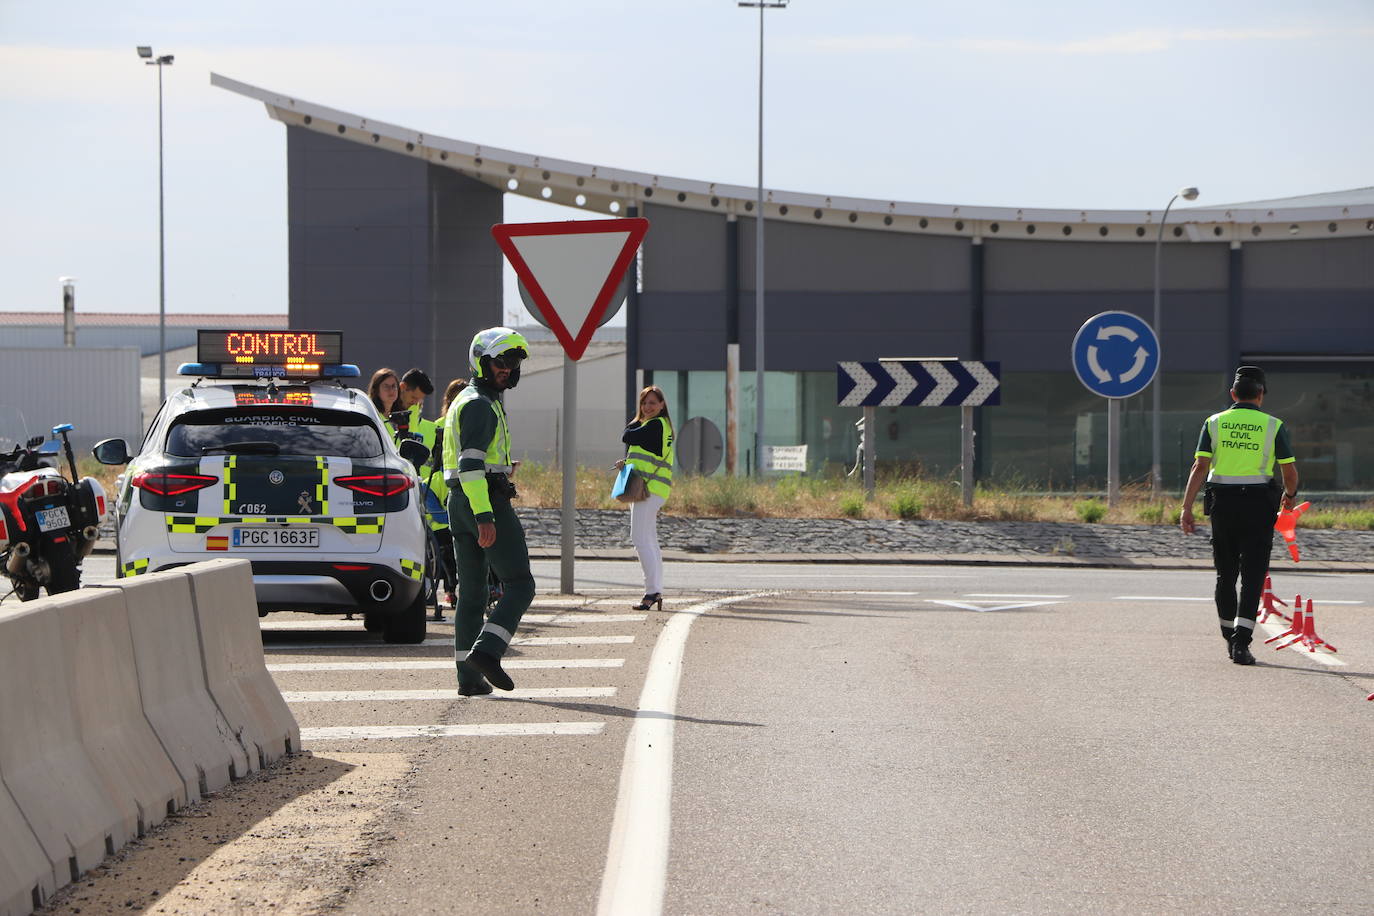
point(160, 61)
point(1156, 476)
point(761, 5)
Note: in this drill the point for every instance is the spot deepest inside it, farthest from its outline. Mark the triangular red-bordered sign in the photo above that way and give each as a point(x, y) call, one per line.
point(570, 266)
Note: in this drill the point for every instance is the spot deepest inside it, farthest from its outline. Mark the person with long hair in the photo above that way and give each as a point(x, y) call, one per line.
point(649, 441)
point(384, 390)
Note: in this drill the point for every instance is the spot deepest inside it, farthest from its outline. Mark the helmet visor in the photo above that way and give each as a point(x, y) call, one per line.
point(509, 360)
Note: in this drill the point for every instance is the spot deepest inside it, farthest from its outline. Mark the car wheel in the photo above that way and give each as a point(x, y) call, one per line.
point(408, 625)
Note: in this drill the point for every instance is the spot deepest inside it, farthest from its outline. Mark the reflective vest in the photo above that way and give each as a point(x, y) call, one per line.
point(1242, 446)
point(496, 456)
point(657, 472)
point(431, 473)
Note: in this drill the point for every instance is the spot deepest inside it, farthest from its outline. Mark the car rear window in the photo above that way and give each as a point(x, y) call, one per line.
point(274, 431)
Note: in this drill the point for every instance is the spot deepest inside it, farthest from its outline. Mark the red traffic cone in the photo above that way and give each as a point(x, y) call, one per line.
point(1267, 604)
point(1310, 639)
point(1294, 626)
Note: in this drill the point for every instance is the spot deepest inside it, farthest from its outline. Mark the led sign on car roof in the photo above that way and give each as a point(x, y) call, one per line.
point(228, 353)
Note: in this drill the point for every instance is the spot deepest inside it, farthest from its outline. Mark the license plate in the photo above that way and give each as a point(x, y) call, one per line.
point(53, 519)
point(261, 536)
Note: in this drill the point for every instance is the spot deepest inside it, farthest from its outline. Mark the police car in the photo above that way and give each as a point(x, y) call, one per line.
point(269, 456)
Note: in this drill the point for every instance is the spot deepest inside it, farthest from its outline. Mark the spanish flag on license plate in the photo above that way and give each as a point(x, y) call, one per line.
point(216, 542)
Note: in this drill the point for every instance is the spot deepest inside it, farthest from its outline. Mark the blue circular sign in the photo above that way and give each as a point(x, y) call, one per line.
point(1115, 354)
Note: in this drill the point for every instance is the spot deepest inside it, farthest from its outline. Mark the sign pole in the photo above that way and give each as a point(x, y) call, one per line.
point(966, 453)
point(1113, 452)
point(870, 445)
point(568, 517)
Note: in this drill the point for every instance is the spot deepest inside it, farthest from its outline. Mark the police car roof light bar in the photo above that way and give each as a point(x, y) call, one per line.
point(249, 372)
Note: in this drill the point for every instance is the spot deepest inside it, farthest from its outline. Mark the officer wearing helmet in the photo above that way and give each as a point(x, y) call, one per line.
point(486, 531)
point(1236, 453)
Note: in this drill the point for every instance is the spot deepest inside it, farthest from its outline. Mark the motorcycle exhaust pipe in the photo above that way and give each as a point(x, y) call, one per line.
point(18, 554)
point(87, 544)
point(380, 590)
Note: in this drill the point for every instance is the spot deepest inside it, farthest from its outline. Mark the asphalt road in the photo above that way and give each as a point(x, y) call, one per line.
point(838, 738)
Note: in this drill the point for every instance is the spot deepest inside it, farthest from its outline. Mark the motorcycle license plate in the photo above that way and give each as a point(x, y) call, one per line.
point(53, 519)
point(264, 536)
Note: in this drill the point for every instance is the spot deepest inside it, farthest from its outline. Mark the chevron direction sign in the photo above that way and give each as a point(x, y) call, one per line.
point(920, 383)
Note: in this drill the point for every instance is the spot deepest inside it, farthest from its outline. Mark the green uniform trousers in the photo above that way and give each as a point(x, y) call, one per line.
point(509, 558)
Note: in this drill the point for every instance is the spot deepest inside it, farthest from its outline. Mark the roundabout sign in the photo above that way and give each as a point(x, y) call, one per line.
point(1115, 354)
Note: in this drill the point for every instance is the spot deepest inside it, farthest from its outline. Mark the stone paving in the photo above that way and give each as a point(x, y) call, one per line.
point(608, 531)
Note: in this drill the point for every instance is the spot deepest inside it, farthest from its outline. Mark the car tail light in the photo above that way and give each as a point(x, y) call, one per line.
point(376, 484)
point(351, 567)
point(162, 484)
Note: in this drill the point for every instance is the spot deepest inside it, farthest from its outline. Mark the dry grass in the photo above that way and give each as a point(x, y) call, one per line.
point(835, 496)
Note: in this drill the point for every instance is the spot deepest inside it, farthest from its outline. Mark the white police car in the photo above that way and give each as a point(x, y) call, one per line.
point(270, 457)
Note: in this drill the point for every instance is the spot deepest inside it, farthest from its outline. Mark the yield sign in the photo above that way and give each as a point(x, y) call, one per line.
point(571, 270)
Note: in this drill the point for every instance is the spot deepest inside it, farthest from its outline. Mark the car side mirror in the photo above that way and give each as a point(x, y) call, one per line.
point(111, 451)
point(414, 452)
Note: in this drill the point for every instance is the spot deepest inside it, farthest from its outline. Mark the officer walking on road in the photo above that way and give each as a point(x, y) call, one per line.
point(486, 531)
point(1236, 453)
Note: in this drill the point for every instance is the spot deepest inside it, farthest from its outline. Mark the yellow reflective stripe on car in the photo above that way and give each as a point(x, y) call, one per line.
point(134, 567)
point(189, 524)
point(322, 488)
point(415, 570)
point(230, 488)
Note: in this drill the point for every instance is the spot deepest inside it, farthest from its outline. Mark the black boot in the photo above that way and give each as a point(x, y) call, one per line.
point(490, 666)
point(1240, 650)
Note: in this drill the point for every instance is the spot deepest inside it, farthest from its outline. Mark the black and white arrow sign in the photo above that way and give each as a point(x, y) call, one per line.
point(920, 383)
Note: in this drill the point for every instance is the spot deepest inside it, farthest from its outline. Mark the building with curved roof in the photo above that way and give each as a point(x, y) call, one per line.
point(389, 236)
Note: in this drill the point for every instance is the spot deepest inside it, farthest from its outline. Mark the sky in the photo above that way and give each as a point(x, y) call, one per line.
point(1074, 105)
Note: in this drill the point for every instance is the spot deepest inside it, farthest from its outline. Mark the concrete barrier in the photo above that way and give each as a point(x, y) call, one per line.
point(136, 772)
point(26, 877)
point(43, 762)
point(171, 679)
point(235, 668)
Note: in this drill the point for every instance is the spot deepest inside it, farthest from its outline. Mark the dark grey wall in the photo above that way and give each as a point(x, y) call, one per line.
point(835, 293)
point(391, 251)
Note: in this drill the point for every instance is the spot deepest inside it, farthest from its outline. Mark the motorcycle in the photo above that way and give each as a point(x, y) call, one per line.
point(48, 524)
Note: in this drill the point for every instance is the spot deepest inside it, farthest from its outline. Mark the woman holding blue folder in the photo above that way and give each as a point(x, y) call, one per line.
point(649, 438)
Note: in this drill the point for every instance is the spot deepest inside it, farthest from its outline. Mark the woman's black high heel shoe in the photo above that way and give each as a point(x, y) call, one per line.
point(648, 602)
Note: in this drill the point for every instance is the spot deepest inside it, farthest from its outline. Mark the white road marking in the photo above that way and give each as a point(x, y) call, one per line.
point(869, 591)
point(573, 617)
point(966, 606)
point(390, 696)
point(828, 575)
point(1157, 598)
point(499, 730)
point(447, 641)
point(441, 663)
point(637, 856)
point(999, 595)
point(1270, 629)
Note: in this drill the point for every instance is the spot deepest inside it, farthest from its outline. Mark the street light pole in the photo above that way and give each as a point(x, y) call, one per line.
point(160, 61)
point(1156, 475)
point(758, 248)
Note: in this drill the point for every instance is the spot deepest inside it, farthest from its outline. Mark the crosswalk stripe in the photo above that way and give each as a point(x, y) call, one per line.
point(366, 696)
point(447, 641)
point(565, 617)
point(441, 663)
point(496, 730)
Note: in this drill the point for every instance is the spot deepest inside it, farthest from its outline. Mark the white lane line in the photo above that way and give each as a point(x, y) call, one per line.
point(876, 592)
point(392, 696)
point(447, 641)
point(637, 856)
point(965, 606)
point(441, 663)
point(501, 730)
point(1270, 629)
point(1007, 595)
point(1157, 598)
point(828, 575)
point(574, 617)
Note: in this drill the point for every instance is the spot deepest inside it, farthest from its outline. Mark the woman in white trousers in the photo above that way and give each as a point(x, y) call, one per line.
point(649, 441)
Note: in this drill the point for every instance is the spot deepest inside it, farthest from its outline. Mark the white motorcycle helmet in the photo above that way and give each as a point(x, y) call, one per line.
point(500, 345)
